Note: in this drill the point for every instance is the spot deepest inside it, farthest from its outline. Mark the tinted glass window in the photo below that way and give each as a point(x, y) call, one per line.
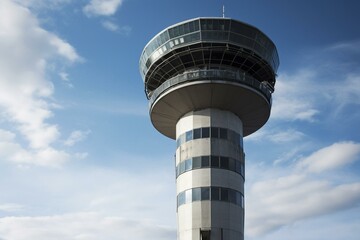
point(205, 132)
point(223, 133)
point(182, 167)
point(231, 164)
point(214, 132)
point(189, 136)
point(205, 193)
point(181, 198)
point(197, 133)
point(224, 162)
point(224, 194)
point(215, 194)
point(196, 194)
point(215, 161)
point(205, 161)
point(188, 164)
point(232, 196)
point(196, 162)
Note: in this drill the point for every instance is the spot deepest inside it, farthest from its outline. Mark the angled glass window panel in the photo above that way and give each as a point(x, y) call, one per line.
point(232, 196)
point(197, 133)
point(205, 132)
point(181, 198)
point(186, 27)
point(238, 199)
point(176, 31)
point(205, 193)
point(196, 194)
point(215, 161)
point(231, 164)
point(188, 164)
point(224, 162)
point(182, 167)
point(224, 194)
point(188, 196)
point(196, 162)
point(223, 133)
point(214, 132)
point(181, 29)
point(189, 136)
point(215, 194)
point(192, 26)
point(205, 161)
point(197, 25)
point(177, 171)
point(171, 33)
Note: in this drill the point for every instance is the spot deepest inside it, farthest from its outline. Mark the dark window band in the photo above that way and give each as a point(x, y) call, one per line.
point(210, 132)
point(210, 194)
point(220, 162)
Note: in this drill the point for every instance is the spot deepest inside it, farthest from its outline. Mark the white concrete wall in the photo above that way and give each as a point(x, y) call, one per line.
point(222, 218)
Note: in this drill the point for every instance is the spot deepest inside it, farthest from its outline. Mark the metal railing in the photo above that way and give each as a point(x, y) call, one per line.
point(211, 74)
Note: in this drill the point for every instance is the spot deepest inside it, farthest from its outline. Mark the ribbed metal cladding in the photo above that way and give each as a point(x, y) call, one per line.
point(210, 194)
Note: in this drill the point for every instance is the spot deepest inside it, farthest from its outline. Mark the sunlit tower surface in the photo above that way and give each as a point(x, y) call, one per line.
point(209, 83)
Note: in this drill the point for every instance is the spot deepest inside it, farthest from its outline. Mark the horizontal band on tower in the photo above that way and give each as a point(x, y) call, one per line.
point(217, 162)
point(210, 132)
point(210, 194)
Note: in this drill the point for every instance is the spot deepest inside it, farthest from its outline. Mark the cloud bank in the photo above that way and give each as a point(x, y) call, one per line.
point(26, 93)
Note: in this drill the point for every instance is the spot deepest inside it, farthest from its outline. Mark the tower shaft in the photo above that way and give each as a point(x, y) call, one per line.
point(210, 176)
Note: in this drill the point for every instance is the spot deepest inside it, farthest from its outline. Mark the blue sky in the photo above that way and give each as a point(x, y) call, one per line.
point(79, 158)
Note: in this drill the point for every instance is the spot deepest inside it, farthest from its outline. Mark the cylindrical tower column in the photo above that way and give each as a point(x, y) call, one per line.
point(210, 176)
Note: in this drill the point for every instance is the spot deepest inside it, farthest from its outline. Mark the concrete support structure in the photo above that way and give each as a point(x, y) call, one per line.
point(212, 186)
point(209, 83)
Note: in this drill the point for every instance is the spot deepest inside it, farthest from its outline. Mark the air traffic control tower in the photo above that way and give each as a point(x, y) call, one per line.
point(209, 83)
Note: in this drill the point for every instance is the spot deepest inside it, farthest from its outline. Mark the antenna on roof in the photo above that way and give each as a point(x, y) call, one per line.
point(223, 11)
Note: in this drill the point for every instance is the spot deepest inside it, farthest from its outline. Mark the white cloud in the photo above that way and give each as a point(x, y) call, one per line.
point(332, 79)
point(111, 26)
point(10, 207)
point(86, 225)
point(349, 47)
point(65, 78)
point(103, 203)
point(41, 4)
point(76, 136)
point(331, 157)
point(286, 194)
point(278, 202)
point(11, 151)
point(102, 7)
point(25, 91)
point(276, 136)
point(293, 98)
